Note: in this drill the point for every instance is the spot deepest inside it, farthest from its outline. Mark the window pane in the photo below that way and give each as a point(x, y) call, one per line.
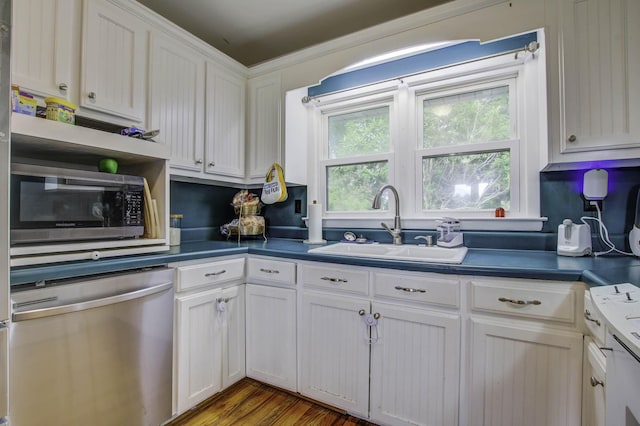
point(359, 133)
point(469, 181)
point(480, 116)
point(352, 187)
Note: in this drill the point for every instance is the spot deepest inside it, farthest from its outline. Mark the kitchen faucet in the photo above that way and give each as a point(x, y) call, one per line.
point(396, 232)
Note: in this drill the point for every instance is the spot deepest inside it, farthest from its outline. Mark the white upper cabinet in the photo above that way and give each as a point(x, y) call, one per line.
point(176, 100)
point(225, 122)
point(91, 53)
point(42, 49)
point(598, 92)
point(114, 60)
point(199, 108)
point(265, 128)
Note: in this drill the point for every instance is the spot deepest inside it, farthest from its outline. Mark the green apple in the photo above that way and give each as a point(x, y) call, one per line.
point(108, 165)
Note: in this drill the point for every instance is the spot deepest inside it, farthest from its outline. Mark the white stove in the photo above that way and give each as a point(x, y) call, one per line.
point(619, 305)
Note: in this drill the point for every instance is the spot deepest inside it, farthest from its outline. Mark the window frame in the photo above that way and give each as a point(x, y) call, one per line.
point(513, 145)
point(370, 101)
point(405, 166)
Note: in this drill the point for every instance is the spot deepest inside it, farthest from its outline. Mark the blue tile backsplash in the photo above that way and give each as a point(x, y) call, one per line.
point(207, 207)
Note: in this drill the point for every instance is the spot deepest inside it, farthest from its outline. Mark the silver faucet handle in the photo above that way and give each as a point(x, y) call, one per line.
point(427, 239)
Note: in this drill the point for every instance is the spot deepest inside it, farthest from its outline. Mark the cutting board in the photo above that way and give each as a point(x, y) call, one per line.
point(150, 219)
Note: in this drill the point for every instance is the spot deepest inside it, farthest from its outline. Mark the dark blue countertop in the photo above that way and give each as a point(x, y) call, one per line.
point(534, 264)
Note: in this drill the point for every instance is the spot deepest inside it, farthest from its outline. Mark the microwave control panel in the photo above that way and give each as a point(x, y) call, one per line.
point(134, 211)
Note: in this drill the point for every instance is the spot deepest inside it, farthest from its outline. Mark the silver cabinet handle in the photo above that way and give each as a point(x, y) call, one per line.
point(595, 382)
point(63, 87)
point(587, 316)
point(410, 290)
point(520, 302)
point(334, 280)
point(198, 161)
point(214, 274)
point(269, 271)
point(92, 96)
point(572, 138)
point(212, 164)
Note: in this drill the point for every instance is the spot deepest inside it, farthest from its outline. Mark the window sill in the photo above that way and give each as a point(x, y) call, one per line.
point(469, 224)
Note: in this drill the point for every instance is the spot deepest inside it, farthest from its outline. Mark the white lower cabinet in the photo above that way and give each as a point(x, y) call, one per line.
point(525, 366)
point(209, 331)
point(593, 386)
point(395, 363)
point(271, 335)
point(395, 347)
point(210, 343)
point(335, 351)
point(524, 375)
point(415, 367)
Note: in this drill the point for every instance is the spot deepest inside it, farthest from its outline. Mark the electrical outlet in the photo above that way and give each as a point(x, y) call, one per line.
point(297, 206)
point(588, 207)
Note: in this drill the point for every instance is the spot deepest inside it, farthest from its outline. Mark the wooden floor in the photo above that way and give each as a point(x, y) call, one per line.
point(252, 403)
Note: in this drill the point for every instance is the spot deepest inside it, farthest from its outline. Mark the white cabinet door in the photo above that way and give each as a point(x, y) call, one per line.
point(114, 61)
point(335, 351)
point(198, 348)
point(225, 123)
point(593, 385)
point(265, 127)
point(42, 46)
point(176, 100)
point(524, 374)
point(271, 335)
point(231, 315)
point(415, 367)
point(599, 59)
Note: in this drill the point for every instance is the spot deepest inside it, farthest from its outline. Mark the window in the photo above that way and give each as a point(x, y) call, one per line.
point(459, 141)
point(357, 152)
point(468, 139)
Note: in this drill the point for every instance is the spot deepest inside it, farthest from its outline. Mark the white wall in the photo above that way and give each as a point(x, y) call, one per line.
point(461, 19)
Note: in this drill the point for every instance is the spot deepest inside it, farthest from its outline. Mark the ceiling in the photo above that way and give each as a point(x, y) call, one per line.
point(255, 31)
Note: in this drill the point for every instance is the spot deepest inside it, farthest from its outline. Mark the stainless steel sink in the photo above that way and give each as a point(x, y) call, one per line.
point(395, 252)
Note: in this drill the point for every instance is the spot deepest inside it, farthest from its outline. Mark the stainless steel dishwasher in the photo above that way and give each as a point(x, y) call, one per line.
point(95, 351)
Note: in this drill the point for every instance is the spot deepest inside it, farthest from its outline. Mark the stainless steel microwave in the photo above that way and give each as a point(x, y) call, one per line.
point(51, 204)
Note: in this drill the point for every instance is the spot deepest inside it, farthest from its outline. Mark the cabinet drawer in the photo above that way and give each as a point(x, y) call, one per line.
point(336, 278)
point(593, 320)
point(271, 270)
point(424, 288)
point(529, 299)
point(189, 277)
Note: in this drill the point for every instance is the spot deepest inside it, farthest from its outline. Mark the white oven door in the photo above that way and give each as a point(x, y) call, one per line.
point(623, 385)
